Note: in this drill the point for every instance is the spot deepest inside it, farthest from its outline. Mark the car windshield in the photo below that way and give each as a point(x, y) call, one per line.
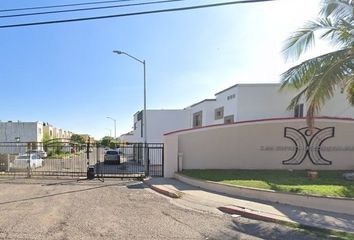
point(112, 152)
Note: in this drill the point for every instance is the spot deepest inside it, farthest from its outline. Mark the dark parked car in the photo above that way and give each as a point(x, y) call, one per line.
point(112, 156)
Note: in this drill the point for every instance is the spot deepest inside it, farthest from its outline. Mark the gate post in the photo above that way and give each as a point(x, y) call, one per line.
point(147, 172)
point(29, 148)
point(163, 160)
point(88, 152)
point(139, 148)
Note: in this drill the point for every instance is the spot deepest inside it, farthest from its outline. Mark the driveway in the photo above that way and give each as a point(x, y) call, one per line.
point(114, 209)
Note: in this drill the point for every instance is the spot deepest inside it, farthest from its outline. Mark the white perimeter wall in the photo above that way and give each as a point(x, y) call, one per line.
point(242, 146)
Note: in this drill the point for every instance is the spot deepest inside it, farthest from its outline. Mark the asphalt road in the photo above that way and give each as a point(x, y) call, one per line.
point(66, 209)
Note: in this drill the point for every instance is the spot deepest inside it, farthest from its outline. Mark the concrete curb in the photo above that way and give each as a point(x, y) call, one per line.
point(248, 213)
point(267, 217)
point(330, 204)
point(162, 190)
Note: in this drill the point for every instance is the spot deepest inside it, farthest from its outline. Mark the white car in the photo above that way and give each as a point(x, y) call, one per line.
point(32, 160)
point(41, 153)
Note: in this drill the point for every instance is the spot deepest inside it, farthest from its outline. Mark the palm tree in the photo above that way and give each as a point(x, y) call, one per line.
point(317, 79)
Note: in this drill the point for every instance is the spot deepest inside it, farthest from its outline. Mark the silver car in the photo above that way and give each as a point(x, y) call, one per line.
point(112, 156)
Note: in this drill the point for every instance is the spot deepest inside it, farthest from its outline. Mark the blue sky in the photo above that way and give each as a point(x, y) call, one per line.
point(67, 75)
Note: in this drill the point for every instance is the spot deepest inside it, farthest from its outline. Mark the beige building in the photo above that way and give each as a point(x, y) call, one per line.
point(53, 132)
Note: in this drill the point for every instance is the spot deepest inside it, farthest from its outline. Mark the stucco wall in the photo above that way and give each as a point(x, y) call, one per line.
point(26, 131)
point(160, 122)
point(230, 105)
point(207, 108)
point(262, 101)
point(260, 145)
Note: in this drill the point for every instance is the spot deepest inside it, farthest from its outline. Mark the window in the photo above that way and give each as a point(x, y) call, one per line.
point(135, 126)
point(229, 119)
point(39, 131)
point(299, 111)
point(232, 96)
point(219, 113)
point(140, 115)
point(50, 133)
point(197, 119)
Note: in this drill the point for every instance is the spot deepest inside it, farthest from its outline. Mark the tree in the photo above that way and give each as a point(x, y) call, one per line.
point(45, 140)
point(113, 145)
point(107, 141)
point(317, 79)
point(45, 137)
point(76, 138)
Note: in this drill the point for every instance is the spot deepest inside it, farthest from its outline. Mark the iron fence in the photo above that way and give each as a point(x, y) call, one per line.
point(65, 158)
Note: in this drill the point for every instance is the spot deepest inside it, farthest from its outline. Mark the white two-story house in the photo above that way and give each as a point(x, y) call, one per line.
point(241, 102)
point(158, 122)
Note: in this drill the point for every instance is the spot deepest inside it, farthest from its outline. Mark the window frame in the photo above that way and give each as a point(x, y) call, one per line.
point(229, 117)
point(196, 119)
point(219, 110)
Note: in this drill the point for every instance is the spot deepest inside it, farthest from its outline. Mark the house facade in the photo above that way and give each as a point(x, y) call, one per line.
point(238, 103)
point(159, 122)
point(21, 131)
point(30, 131)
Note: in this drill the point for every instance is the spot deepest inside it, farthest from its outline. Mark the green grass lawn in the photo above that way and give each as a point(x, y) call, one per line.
point(329, 183)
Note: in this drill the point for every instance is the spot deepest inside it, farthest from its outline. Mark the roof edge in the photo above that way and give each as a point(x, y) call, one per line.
point(247, 85)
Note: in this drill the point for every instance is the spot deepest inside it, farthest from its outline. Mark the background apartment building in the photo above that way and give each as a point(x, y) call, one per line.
point(241, 102)
point(21, 131)
point(30, 131)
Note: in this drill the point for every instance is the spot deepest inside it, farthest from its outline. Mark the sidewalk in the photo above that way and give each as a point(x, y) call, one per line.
point(257, 210)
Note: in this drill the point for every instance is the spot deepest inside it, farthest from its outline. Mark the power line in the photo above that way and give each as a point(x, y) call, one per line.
point(89, 9)
point(134, 13)
point(64, 5)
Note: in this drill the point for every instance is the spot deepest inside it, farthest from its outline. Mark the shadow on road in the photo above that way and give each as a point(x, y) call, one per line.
point(63, 193)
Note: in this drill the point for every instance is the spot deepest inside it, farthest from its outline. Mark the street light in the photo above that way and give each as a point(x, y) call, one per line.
point(110, 131)
point(144, 64)
point(144, 112)
point(115, 125)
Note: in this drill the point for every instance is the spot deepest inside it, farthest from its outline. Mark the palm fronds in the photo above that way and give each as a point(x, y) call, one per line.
point(318, 78)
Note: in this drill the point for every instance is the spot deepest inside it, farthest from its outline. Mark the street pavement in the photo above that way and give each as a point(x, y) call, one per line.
point(68, 209)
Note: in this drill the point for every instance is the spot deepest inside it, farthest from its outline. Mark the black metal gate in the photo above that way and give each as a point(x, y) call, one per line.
point(62, 157)
point(135, 160)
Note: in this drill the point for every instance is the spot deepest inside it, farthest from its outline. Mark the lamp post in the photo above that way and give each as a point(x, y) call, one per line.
point(144, 64)
point(144, 111)
point(115, 125)
point(110, 131)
